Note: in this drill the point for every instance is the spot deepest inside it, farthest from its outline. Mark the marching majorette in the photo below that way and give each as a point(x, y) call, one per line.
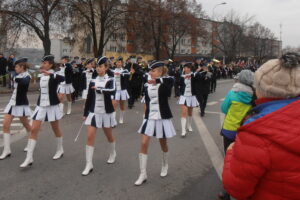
point(121, 76)
point(66, 88)
point(98, 113)
point(87, 75)
point(47, 109)
point(18, 105)
point(187, 98)
point(157, 122)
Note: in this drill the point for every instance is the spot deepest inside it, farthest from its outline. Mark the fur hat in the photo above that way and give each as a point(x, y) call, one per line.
point(279, 78)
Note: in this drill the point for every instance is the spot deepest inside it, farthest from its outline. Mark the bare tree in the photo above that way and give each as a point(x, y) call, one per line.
point(98, 18)
point(229, 34)
point(36, 15)
point(259, 41)
point(183, 19)
point(147, 23)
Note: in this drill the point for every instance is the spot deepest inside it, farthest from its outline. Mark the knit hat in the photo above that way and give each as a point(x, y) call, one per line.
point(246, 77)
point(279, 78)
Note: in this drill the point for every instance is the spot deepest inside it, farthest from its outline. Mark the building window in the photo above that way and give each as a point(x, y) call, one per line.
point(88, 42)
point(114, 37)
point(182, 41)
point(113, 48)
point(65, 50)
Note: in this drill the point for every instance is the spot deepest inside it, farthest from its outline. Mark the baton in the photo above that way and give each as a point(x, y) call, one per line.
point(79, 132)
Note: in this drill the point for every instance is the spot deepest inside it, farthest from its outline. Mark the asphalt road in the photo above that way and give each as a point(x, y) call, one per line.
point(194, 162)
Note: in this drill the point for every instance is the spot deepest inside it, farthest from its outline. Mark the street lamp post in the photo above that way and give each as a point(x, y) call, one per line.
point(212, 27)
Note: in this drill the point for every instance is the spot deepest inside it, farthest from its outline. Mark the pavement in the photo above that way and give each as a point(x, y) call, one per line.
point(195, 161)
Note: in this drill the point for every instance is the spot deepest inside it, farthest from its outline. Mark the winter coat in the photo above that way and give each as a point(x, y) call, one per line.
point(264, 163)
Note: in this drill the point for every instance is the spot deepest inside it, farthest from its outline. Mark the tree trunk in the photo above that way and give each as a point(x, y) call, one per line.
point(101, 40)
point(47, 46)
point(46, 39)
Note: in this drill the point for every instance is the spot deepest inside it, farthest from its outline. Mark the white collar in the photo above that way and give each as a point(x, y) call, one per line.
point(23, 75)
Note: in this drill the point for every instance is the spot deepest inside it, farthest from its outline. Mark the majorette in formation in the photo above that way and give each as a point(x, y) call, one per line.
point(18, 105)
point(157, 122)
point(65, 88)
point(188, 99)
point(47, 109)
point(98, 113)
point(121, 95)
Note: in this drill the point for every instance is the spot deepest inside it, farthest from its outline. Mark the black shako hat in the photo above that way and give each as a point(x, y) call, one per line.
point(65, 57)
point(102, 60)
point(188, 64)
point(21, 60)
point(156, 64)
point(49, 58)
point(120, 58)
point(90, 60)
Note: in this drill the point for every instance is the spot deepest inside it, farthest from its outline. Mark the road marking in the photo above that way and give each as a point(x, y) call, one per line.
point(15, 119)
point(12, 132)
point(13, 125)
point(222, 99)
point(212, 103)
point(222, 117)
point(225, 81)
point(211, 112)
point(212, 149)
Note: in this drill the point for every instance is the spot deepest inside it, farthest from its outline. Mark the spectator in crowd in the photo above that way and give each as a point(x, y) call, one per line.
point(3, 72)
point(263, 163)
point(11, 69)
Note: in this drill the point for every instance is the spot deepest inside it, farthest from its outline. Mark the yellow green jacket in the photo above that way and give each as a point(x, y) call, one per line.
point(237, 103)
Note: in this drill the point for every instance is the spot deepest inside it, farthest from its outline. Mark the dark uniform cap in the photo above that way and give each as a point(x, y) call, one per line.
point(90, 60)
point(102, 60)
point(48, 58)
point(21, 60)
point(65, 57)
point(120, 58)
point(188, 64)
point(73, 62)
point(156, 64)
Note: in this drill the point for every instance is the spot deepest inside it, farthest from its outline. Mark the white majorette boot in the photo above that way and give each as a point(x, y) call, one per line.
point(89, 151)
point(6, 151)
point(143, 165)
point(61, 107)
point(189, 123)
point(114, 118)
point(27, 146)
point(165, 165)
point(69, 109)
point(112, 154)
point(183, 126)
point(29, 157)
point(121, 121)
point(59, 149)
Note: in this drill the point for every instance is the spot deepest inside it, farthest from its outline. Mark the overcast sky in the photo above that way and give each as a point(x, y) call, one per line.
point(270, 13)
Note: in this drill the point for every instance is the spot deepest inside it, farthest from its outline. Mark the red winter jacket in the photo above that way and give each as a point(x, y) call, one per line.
point(264, 163)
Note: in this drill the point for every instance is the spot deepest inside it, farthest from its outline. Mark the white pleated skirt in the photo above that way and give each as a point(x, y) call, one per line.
point(84, 94)
point(121, 95)
point(188, 101)
point(18, 111)
point(65, 89)
point(47, 113)
point(105, 120)
point(162, 128)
